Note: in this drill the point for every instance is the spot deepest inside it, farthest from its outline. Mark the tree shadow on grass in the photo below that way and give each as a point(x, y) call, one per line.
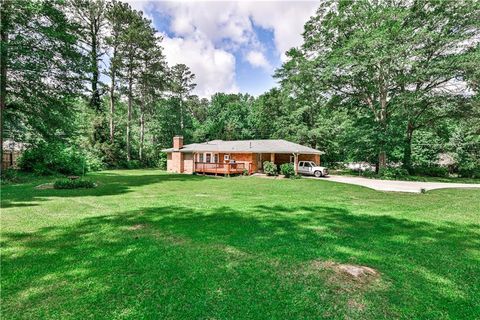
point(177, 262)
point(24, 195)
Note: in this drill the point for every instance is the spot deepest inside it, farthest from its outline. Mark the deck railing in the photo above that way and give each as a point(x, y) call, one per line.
point(220, 168)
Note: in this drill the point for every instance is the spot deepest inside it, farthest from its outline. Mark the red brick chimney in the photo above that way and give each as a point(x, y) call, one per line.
point(177, 142)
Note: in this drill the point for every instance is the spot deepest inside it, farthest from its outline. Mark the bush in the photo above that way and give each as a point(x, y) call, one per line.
point(9, 175)
point(473, 173)
point(162, 161)
point(392, 173)
point(73, 184)
point(93, 163)
point(431, 171)
point(270, 168)
point(134, 164)
point(287, 169)
point(48, 159)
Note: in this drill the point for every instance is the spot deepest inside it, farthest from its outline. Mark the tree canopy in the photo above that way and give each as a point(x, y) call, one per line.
point(388, 82)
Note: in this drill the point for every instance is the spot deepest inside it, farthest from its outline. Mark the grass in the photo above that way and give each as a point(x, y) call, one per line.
point(150, 245)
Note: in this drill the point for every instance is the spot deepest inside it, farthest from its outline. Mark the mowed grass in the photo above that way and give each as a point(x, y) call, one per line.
point(150, 245)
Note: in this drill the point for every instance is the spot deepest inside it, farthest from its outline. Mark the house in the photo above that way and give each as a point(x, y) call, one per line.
point(235, 157)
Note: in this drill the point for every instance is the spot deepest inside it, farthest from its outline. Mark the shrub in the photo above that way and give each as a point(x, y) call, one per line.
point(270, 168)
point(392, 173)
point(431, 171)
point(162, 161)
point(469, 173)
point(73, 184)
point(134, 164)
point(245, 172)
point(287, 169)
point(9, 175)
point(47, 159)
point(93, 163)
point(369, 174)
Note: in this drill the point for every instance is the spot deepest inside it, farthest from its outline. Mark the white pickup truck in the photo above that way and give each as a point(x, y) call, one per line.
point(311, 168)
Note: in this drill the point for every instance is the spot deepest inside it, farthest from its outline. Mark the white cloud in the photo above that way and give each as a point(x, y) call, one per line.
point(257, 59)
point(285, 18)
point(205, 34)
point(214, 68)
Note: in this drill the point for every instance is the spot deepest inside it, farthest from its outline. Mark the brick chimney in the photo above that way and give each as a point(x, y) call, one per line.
point(177, 142)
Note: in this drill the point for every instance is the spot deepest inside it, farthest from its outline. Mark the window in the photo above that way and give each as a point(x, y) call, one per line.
point(215, 158)
point(200, 157)
point(300, 164)
point(226, 157)
point(307, 165)
point(208, 157)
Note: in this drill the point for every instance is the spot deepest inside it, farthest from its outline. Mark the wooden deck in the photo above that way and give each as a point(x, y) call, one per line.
point(221, 168)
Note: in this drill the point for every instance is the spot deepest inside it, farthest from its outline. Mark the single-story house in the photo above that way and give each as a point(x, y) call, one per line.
point(235, 157)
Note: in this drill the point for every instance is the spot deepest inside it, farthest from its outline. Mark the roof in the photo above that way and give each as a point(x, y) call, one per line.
point(255, 146)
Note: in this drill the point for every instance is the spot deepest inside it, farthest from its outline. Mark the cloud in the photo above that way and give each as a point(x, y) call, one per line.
point(206, 36)
point(257, 59)
point(285, 18)
point(214, 68)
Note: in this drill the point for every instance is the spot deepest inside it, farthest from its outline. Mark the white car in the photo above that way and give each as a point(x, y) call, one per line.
point(311, 168)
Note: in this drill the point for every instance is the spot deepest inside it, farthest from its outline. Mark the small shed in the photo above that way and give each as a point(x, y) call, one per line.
point(12, 150)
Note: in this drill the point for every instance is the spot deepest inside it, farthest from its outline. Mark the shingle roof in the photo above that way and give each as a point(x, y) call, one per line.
point(256, 146)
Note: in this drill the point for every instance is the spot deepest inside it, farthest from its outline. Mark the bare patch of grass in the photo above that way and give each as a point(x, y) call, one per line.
point(136, 227)
point(44, 186)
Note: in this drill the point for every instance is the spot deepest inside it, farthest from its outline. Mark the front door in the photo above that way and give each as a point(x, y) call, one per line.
point(259, 161)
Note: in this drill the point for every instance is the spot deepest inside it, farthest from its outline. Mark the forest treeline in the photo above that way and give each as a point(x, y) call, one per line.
point(378, 81)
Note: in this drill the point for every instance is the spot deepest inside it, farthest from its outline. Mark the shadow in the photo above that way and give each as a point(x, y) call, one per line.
point(179, 262)
point(109, 183)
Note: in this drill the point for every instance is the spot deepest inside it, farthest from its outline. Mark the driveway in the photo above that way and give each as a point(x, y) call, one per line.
point(399, 186)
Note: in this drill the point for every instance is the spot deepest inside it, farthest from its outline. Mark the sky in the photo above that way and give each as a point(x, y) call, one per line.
point(230, 46)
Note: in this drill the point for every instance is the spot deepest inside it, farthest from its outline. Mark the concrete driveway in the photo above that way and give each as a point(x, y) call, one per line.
point(398, 186)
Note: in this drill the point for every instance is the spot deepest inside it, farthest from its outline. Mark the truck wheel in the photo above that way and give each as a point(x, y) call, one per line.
point(317, 174)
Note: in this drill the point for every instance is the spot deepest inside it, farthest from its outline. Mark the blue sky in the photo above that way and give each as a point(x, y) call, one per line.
point(230, 46)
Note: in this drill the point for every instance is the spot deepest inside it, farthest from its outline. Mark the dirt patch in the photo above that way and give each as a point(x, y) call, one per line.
point(136, 227)
point(170, 239)
point(352, 304)
point(345, 272)
point(235, 251)
point(44, 186)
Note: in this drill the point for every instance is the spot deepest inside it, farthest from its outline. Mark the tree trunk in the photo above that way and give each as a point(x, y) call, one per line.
point(181, 114)
point(382, 155)
point(3, 69)
point(407, 151)
point(112, 98)
point(129, 115)
point(382, 159)
point(142, 133)
point(95, 99)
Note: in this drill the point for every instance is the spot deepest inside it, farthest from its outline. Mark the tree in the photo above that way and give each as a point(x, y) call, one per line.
point(4, 29)
point(441, 53)
point(130, 45)
point(117, 16)
point(390, 55)
point(152, 79)
point(357, 50)
point(228, 118)
point(40, 67)
point(89, 15)
point(181, 85)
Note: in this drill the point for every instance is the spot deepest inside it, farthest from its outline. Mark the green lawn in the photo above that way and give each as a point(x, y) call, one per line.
point(150, 245)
